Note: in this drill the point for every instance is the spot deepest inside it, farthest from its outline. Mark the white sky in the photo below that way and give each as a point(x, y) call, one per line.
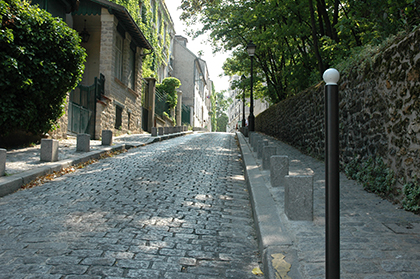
point(214, 62)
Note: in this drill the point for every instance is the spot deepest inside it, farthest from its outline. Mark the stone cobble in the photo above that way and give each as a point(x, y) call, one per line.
point(174, 209)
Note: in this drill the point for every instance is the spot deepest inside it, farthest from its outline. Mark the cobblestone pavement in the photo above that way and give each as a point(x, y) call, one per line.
point(173, 209)
point(378, 239)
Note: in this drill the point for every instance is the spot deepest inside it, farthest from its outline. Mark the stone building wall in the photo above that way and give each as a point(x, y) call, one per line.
point(117, 92)
point(379, 112)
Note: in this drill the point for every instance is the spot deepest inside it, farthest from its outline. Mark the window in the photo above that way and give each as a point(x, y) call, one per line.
point(131, 75)
point(118, 117)
point(119, 57)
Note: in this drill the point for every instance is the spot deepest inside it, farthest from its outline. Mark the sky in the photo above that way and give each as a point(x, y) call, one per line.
point(214, 61)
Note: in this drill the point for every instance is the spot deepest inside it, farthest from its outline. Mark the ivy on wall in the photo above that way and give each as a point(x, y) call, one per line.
point(146, 14)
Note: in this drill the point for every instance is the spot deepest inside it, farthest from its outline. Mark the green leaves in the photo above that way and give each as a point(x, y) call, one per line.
point(297, 40)
point(41, 60)
point(169, 86)
point(411, 201)
point(374, 175)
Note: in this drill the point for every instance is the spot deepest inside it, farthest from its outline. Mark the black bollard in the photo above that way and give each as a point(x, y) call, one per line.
point(332, 176)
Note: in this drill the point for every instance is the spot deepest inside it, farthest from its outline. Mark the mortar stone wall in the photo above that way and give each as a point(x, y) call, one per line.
point(379, 112)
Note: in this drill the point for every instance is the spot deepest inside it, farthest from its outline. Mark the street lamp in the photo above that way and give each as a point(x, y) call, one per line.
point(84, 34)
point(332, 175)
point(250, 48)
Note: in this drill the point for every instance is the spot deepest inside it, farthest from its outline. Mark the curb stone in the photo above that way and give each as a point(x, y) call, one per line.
point(10, 184)
point(273, 239)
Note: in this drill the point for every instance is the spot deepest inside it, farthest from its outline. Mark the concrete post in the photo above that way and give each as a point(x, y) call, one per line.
point(106, 137)
point(268, 151)
point(245, 131)
point(154, 131)
point(252, 136)
point(3, 154)
point(83, 142)
point(298, 197)
point(255, 141)
point(165, 130)
point(261, 144)
point(279, 168)
point(49, 150)
point(160, 131)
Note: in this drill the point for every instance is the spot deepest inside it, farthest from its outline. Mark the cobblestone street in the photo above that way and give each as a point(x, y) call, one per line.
point(174, 209)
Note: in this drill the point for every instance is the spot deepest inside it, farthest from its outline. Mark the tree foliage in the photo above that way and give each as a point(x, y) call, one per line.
point(219, 106)
point(41, 60)
point(297, 40)
point(169, 86)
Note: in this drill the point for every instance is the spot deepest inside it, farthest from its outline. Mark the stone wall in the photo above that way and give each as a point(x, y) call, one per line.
point(379, 112)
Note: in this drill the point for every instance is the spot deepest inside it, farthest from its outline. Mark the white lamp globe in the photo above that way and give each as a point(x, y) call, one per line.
point(331, 76)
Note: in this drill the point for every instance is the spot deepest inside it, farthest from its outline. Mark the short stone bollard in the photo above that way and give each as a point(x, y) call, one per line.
point(298, 197)
point(49, 150)
point(3, 154)
point(83, 142)
point(268, 151)
point(255, 141)
point(154, 132)
point(261, 144)
point(279, 168)
point(250, 136)
point(106, 137)
point(246, 131)
point(160, 131)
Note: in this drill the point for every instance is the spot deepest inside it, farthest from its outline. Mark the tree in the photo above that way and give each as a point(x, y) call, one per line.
point(41, 61)
point(220, 106)
point(222, 122)
point(296, 39)
point(213, 110)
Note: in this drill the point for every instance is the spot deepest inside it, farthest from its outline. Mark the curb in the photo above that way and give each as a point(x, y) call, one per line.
point(273, 238)
point(10, 184)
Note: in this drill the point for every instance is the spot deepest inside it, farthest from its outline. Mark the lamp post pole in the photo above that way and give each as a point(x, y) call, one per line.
point(243, 103)
point(251, 52)
point(332, 176)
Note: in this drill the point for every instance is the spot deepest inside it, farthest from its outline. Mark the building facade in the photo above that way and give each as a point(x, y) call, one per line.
point(196, 85)
point(109, 96)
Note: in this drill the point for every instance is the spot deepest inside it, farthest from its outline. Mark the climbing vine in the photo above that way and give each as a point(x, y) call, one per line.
point(169, 86)
point(146, 14)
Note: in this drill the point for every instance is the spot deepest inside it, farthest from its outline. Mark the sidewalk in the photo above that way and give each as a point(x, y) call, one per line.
point(378, 240)
point(24, 165)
